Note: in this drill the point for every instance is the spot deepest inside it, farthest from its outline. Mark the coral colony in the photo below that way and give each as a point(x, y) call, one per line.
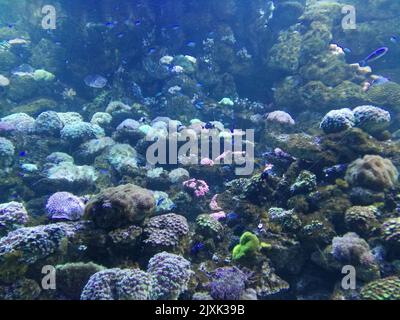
point(222, 152)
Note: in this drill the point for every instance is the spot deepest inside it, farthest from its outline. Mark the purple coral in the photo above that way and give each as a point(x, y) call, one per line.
point(352, 249)
point(228, 283)
point(172, 275)
point(6, 128)
point(34, 243)
point(118, 284)
point(12, 216)
point(166, 230)
point(65, 206)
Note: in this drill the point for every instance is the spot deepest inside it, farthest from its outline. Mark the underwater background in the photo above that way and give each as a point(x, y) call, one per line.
point(88, 87)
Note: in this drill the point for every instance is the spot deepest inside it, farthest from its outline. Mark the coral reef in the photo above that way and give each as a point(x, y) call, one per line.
point(125, 132)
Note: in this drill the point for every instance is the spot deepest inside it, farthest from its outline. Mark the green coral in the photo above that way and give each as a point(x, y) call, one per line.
point(208, 226)
point(43, 75)
point(72, 277)
point(305, 183)
point(22, 289)
point(285, 53)
point(248, 246)
point(383, 289)
point(385, 95)
point(391, 232)
point(362, 220)
point(35, 107)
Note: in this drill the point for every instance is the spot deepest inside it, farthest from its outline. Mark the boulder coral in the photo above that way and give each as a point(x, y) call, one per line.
point(372, 172)
point(120, 206)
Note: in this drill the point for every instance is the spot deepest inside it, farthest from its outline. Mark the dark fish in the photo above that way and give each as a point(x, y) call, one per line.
point(377, 54)
point(22, 154)
point(394, 39)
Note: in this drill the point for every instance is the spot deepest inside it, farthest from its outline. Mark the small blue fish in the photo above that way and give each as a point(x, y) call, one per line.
point(110, 24)
point(347, 50)
point(394, 39)
point(138, 23)
point(191, 44)
point(232, 216)
point(199, 105)
point(377, 54)
point(22, 154)
point(160, 201)
point(197, 247)
point(104, 172)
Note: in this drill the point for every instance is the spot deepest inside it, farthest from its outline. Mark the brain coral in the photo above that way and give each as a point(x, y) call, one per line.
point(166, 230)
point(382, 289)
point(118, 284)
point(12, 216)
point(372, 172)
point(172, 274)
point(391, 232)
point(64, 205)
point(337, 121)
point(371, 119)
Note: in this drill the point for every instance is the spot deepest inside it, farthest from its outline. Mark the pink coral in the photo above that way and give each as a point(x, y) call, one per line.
point(199, 187)
point(207, 162)
point(218, 215)
point(214, 206)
